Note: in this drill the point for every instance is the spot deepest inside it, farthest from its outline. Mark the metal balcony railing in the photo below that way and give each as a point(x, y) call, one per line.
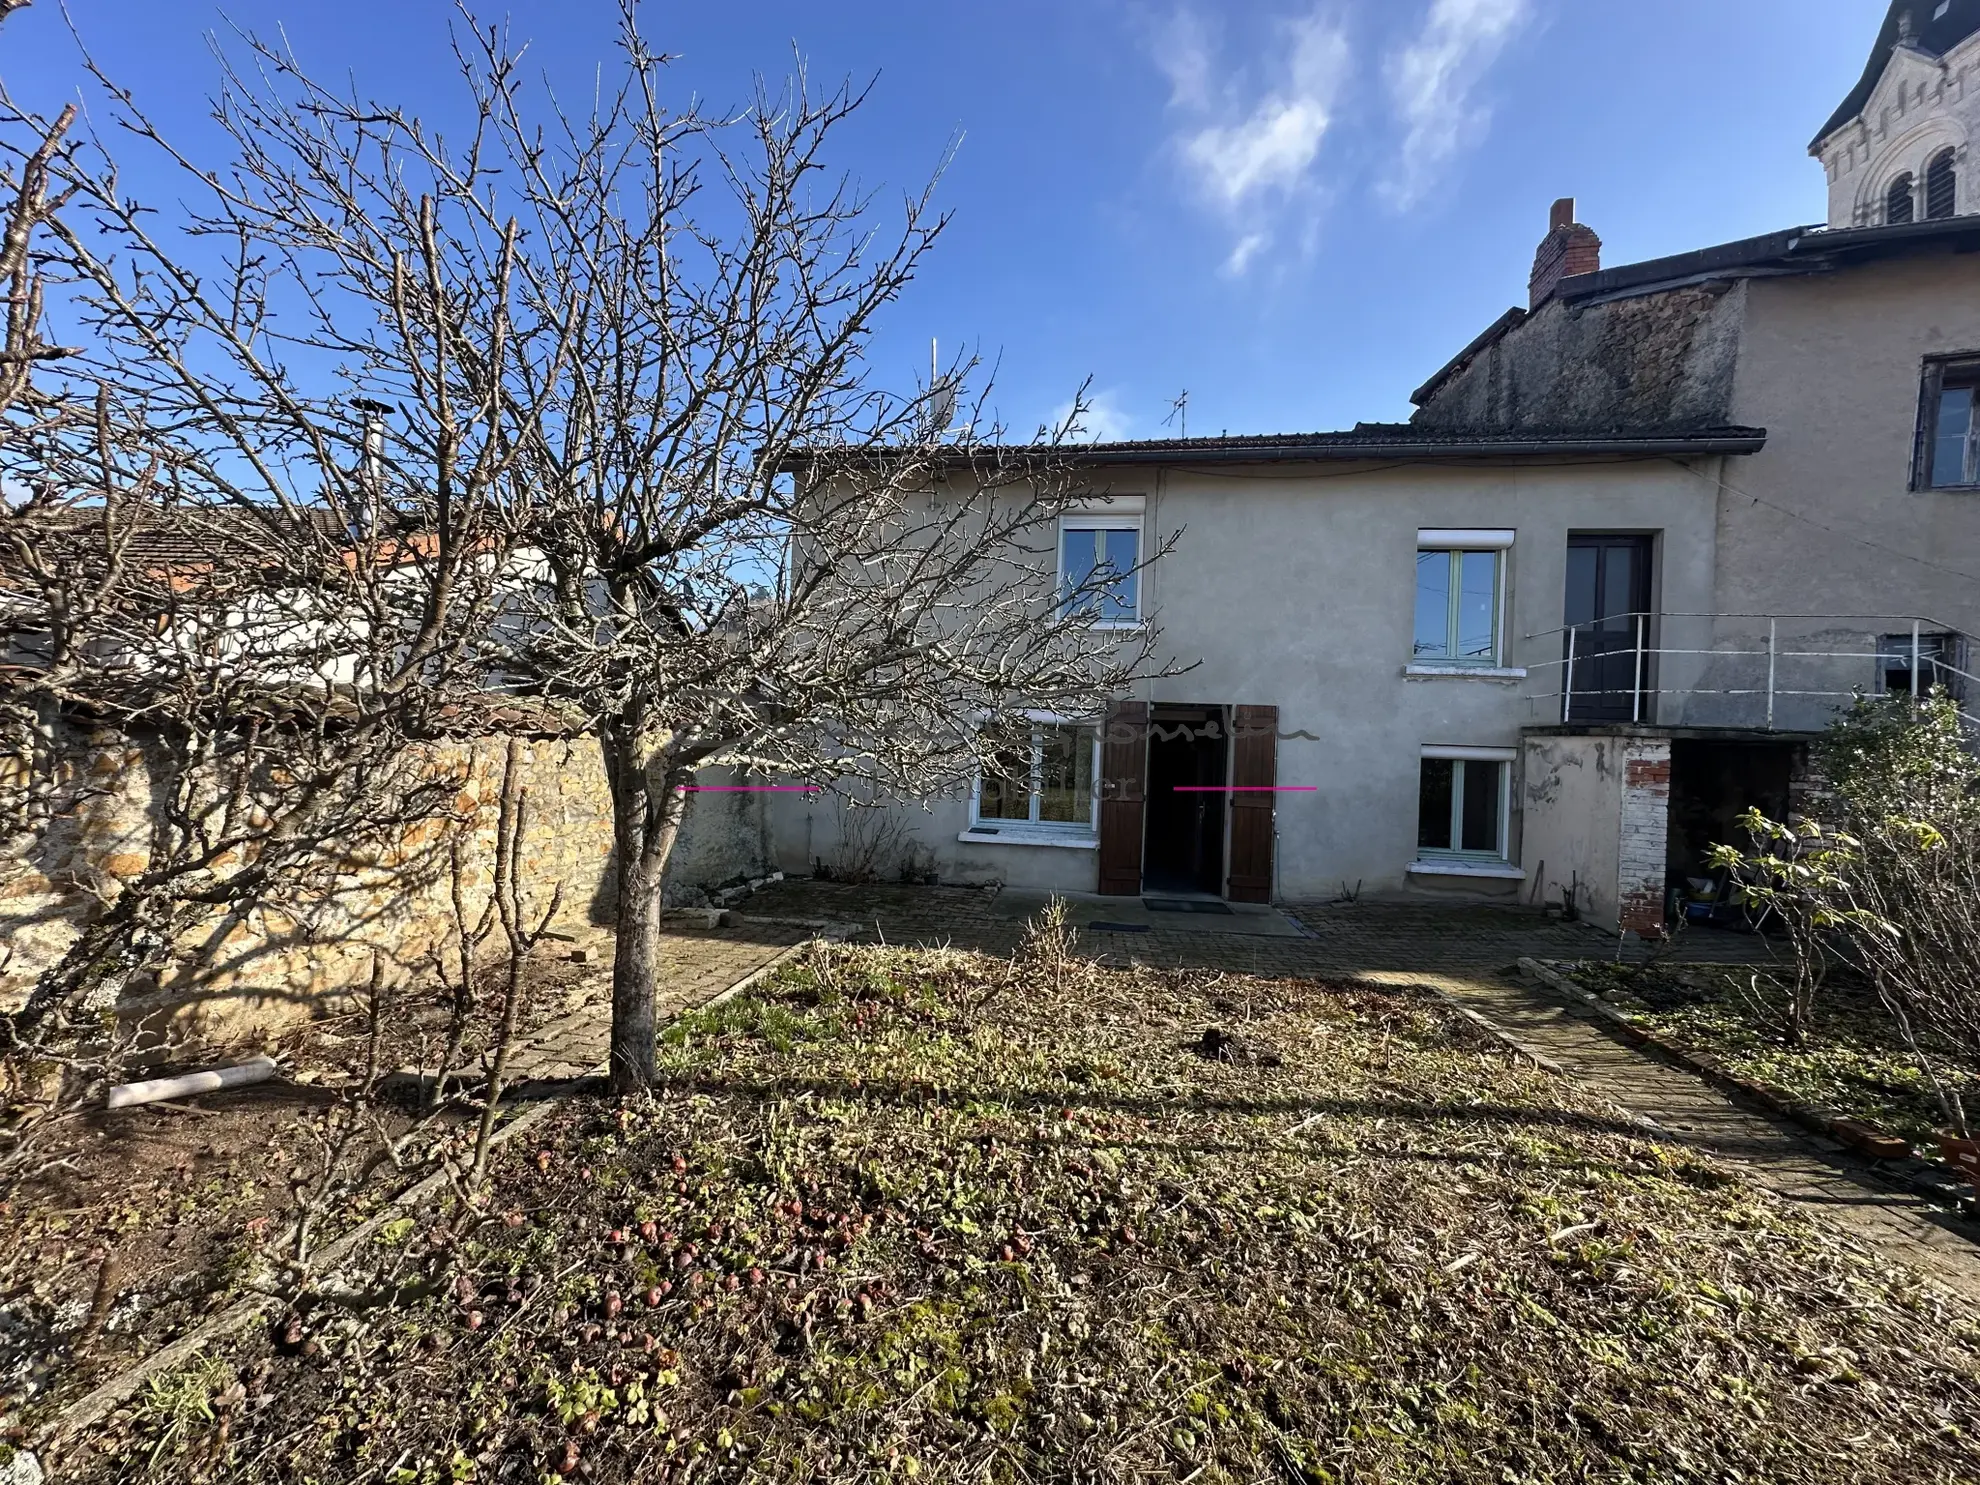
point(1772, 671)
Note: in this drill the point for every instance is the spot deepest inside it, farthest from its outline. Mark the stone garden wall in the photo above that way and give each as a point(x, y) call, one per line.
point(286, 959)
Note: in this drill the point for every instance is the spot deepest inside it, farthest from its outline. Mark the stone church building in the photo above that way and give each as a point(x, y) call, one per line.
point(1898, 148)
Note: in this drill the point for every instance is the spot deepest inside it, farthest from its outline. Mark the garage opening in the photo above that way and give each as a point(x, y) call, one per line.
point(1188, 762)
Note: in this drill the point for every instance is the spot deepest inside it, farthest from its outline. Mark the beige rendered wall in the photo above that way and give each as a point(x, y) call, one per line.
point(1823, 520)
point(1294, 586)
point(1572, 795)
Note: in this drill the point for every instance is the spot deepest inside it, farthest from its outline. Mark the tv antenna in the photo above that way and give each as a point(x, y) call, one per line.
point(1179, 414)
point(941, 393)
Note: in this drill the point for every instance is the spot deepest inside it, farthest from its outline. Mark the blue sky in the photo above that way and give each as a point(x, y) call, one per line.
point(1295, 212)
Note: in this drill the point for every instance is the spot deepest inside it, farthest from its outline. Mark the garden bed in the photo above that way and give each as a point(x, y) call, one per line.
point(911, 1215)
point(1852, 1063)
point(149, 1219)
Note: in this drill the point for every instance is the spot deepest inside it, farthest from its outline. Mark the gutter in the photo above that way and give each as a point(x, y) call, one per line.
point(1369, 450)
point(1673, 446)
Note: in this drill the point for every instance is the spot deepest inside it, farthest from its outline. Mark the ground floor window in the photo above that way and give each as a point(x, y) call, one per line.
point(1046, 786)
point(1462, 804)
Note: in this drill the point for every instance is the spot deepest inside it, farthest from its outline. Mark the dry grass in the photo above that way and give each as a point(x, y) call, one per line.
point(931, 1216)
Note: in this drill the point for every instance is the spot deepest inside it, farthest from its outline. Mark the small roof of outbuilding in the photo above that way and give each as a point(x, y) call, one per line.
point(1936, 29)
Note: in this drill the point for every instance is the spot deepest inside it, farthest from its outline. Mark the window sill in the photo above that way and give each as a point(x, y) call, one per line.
point(1020, 837)
point(1491, 870)
point(1498, 871)
point(1464, 673)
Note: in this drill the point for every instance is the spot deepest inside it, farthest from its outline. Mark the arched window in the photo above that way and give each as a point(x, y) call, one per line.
point(1897, 202)
point(1941, 187)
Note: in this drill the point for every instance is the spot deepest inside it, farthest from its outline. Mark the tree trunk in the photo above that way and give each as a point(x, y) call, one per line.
point(635, 971)
point(647, 809)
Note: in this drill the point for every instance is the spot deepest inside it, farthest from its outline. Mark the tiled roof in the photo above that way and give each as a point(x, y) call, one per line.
point(1933, 34)
point(224, 549)
point(1798, 250)
point(1366, 441)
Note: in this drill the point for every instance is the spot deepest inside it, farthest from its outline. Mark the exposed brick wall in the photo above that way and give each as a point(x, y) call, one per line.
point(1568, 249)
point(1809, 794)
point(1645, 848)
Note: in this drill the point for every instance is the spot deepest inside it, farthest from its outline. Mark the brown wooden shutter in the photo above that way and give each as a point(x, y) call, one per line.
point(1254, 772)
point(1123, 790)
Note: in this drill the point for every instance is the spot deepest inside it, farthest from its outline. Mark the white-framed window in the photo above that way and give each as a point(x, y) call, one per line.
point(1048, 788)
point(1460, 597)
point(1100, 561)
point(1464, 804)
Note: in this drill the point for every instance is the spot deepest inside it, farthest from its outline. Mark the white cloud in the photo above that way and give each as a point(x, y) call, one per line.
point(1431, 83)
point(1252, 151)
point(1248, 247)
point(1181, 47)
point(1102, 420)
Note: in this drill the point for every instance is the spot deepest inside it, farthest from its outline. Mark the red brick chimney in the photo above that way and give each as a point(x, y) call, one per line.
point(1568, 248)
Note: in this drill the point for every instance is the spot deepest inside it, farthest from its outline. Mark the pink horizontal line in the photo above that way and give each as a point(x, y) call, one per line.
point(1248, 789)
point(744, 788)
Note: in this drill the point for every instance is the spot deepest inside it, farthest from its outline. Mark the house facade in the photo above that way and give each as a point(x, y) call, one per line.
point(1641, 539)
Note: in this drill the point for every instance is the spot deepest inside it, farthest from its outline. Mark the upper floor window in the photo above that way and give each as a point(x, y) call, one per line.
point(1460, 581)
point(1941, 187)
point(1100, 566)
point(1949, 427)
point(1898, 207)
point(1914, 664)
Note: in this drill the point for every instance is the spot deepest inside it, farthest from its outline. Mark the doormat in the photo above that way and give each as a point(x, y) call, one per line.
point(1171, 905)
point(1118, 927)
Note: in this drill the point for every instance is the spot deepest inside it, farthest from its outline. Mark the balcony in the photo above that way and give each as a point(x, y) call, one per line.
point(1767, 672)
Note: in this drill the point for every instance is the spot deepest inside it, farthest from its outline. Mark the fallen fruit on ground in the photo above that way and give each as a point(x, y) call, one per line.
point(951, 1218)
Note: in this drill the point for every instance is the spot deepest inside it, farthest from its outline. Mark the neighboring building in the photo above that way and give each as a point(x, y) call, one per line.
point(1642, 538)
point(1897, 150)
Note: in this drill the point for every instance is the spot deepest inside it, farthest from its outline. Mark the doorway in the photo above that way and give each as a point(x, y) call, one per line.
point(1188, 763)
point(1712, 785)
point(1607, 607)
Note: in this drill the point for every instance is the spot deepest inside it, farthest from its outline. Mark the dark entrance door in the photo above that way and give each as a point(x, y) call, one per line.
point(1188, 753)
point(1608, 593)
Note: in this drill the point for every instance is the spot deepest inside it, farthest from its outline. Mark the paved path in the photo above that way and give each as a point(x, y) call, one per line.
point(1306, 940)
point(1469, 954)
point(697, 964)
point(1818, 1175)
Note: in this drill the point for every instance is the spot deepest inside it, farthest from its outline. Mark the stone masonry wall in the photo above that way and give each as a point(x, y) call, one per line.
point(284, 959)
point(1646, 813)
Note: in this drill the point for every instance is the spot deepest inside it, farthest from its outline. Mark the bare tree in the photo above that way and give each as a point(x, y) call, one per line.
point(207, 549)
point(627, 348)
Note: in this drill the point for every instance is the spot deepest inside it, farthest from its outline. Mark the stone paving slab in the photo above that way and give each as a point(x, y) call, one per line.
point(1303, 940)
point(1086, 910)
